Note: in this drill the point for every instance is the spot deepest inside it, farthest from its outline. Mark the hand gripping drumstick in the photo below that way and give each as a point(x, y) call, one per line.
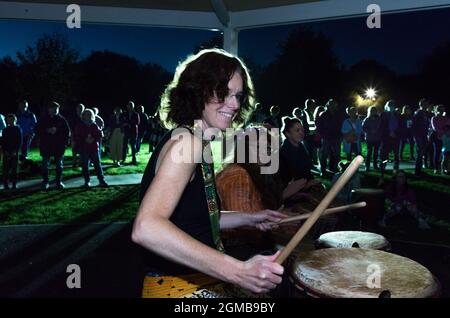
point(343, 179)
point(329, 211)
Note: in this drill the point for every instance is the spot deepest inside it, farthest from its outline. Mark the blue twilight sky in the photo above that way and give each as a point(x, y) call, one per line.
point(401, 43)
point(403, 40)
point(164, 46)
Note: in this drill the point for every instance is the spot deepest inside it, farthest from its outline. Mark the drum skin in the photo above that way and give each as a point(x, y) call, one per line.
point(347, 239)
point(349, 273)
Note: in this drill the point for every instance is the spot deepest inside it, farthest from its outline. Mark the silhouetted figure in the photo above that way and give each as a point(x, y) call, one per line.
point(351, 131)
point(75, 122)
point(26, 120)
point(54, 134)
point(390, 134)
point(329, 128)
point(116, 136)
point(371, 127)
point(406, 131)
point(88, 135)
point(11, 142)
point(101, 125)
point(131, 123)
point(438, 123)
point(142, 127)
point(421, 124)
point(274, 119)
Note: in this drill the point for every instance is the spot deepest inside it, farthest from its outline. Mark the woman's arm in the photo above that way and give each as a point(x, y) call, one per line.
point(232, 219)
point(154, 231)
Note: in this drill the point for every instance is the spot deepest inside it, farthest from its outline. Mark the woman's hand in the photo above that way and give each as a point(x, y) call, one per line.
point(259, 274)
point(263, 220)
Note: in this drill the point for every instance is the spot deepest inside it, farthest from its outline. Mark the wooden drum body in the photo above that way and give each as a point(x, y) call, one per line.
point(361, 273)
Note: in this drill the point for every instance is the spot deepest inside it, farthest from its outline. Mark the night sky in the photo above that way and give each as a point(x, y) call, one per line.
point(403, 40)
point(164, 46)
point(401, 43)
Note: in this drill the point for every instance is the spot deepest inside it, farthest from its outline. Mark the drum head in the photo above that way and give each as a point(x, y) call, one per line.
point(362, 273)
point(347, 239)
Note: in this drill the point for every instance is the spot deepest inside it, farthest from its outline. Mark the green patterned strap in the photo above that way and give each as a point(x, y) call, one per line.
point(211, 197)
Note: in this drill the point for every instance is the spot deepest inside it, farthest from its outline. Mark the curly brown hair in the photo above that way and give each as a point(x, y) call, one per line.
point(198, 79)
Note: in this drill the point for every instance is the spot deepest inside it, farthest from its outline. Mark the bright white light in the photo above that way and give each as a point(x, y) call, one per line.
point(370, 93)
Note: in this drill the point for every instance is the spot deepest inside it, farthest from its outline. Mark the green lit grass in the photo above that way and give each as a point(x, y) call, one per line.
point(71, 206)
point(71, 172)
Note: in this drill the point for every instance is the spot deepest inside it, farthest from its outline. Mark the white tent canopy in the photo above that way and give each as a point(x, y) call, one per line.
point(230, 16)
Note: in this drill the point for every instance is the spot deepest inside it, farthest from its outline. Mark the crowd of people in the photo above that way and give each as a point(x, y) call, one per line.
point(84, 130)
point(385, 130)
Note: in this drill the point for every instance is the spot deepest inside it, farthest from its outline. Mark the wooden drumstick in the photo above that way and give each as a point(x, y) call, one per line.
point(340, 183)
point(326, 212)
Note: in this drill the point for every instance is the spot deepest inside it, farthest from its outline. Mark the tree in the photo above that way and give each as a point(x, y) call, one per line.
point(305, 68)
point(8, 85)
point(111, 80)
point(47, 70)
point(434, 74)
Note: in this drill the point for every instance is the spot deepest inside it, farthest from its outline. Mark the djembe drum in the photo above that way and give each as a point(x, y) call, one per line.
point(348, 239)
point(361, 273)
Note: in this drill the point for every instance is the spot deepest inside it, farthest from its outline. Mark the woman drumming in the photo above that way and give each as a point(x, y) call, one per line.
point(179, 219)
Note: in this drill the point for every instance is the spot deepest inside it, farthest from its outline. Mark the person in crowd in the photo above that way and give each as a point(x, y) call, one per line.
point(142, 127)
point(445, 138)
point(371, 127)
point(257, 117)
point(242, 187)
point(88, 136)
point(429, 155)
point(295, 161)
point(390, 134)
point(317, 140)
point(421, 124)
point(54, 136)
point(210, 91)
point(274, 119)
point(310, 133)
point(11, 142)
point(401, 199)
point(300, 113)
point(75, 122)
point(351, 132)
point(101, 125)
point(2, 124)
point(131, 123)
point(329, 128)
point(116, 136)
point(438, 122)
point(26, 120)
point(406, 132)
point(156, 132)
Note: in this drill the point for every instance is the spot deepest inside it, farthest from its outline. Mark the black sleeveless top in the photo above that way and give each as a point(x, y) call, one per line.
point(191, 215)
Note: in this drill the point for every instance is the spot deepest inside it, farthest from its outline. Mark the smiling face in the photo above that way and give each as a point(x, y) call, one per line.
point(221, 114)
